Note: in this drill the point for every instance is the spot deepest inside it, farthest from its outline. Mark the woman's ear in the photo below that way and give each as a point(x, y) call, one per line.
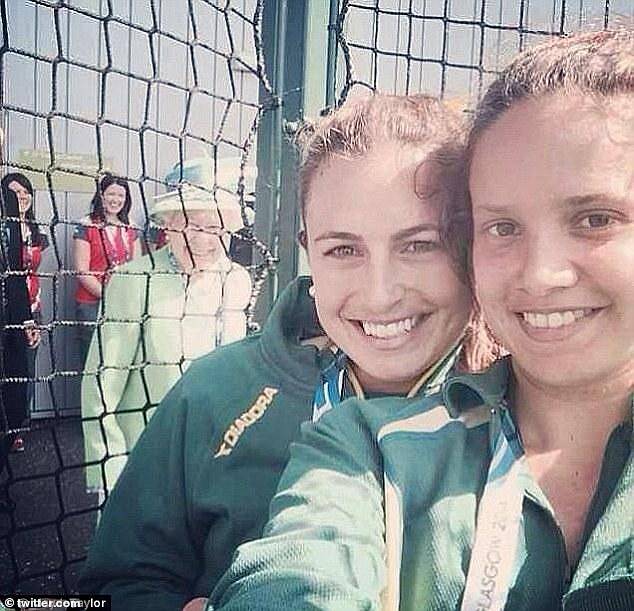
point(302, 238)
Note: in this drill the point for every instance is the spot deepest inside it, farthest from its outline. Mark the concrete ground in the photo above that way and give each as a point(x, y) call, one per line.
point(44, 539)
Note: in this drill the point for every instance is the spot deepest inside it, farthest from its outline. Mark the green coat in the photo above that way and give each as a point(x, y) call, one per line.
point(402, 480)
point(149, 335)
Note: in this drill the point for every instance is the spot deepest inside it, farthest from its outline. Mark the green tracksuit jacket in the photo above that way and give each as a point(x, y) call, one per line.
point(199, 480)
point(377, 510)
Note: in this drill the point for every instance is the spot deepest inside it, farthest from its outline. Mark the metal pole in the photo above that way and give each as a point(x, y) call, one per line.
point(331, 67)
point(299, 89)
point(278, 130)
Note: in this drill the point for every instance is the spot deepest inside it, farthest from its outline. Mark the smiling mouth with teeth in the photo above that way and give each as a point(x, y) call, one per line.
point(555, 320)
point(391, 329)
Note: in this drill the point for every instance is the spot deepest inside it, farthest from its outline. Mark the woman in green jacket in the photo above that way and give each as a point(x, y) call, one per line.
point(383, 314)
point(512, 489)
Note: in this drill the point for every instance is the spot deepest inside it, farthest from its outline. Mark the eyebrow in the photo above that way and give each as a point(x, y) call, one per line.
point(336, 235)
point(410, 231)
point(399, 235)
point(492, 209)
point(576, 201)
point(573, 201)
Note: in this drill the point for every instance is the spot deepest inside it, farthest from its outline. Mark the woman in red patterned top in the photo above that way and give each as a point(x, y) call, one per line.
point(33, 243)
point(102, 241)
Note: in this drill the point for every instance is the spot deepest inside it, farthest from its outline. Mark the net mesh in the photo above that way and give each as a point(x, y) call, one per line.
point(170, 95)
point(451, 49)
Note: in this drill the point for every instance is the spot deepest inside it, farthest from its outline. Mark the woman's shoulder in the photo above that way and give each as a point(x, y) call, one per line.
point(237, 287)
point(233, 379)
point(84, 228)
point(42, 240)
point(136, 271)
point(238, 272)
point(135, 233)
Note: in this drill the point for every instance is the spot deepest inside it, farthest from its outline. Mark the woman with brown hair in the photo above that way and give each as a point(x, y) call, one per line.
point(101, 241)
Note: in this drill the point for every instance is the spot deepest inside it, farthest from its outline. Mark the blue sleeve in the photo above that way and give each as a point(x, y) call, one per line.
point(80, 232)
point(323, 547)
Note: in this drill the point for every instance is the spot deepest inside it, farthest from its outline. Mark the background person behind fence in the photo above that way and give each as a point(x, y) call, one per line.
point(102, 241)
point(161, 311)
point(33, 243)
point(14, 310)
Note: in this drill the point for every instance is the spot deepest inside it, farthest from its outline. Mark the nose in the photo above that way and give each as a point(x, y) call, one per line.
point(547, 265)
point(384, 287)
point(203, 238)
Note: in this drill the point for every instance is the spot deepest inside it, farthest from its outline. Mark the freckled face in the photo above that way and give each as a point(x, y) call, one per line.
point(385, 290)
point(552, 184)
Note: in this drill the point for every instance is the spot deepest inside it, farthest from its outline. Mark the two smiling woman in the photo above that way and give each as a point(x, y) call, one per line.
point(513, 488)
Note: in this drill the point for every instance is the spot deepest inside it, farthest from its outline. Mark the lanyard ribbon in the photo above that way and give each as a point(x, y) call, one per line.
point(494, 558)
point(331, 388)
point(338, 381)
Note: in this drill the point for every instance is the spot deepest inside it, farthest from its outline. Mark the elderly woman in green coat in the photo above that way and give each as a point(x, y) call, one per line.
point(159, 312)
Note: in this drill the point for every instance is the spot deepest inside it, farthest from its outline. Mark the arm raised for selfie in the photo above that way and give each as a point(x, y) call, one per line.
point(324, 544)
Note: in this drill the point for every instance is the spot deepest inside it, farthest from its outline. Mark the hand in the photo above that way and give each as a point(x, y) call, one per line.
point(196, 604)
point(33, 336)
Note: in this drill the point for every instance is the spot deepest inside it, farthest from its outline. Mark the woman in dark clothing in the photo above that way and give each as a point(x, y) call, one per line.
point(14, 310)
point(33, 243)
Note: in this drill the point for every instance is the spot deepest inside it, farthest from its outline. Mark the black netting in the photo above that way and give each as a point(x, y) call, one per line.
point(450, 48)
point(180, 96)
